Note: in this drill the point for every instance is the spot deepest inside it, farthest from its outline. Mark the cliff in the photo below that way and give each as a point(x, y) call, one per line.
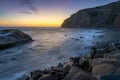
point(100, 17)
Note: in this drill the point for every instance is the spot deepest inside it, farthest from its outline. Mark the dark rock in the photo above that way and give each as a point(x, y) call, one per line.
point(103, 16)
point(110, 77)
point(75, 61)
point(101, 36)
point(1, 62)
point(108, 51)
point(78, 74)
point(13, 58)
point(45, 77)
point(60, 65)
point(24, 77)
point(81, 37)
point(76, 39)
point(117, 45)
point(65, 34)
point(85, 64)
point(46, 71)
point(11, 37)
point(93, 36)
point(36, 74)
point(85, 47)
point(67, 67)
point(100, 53)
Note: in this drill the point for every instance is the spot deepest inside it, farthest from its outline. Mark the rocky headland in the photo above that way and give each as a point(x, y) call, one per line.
point(103, 63)
point(99, 17)
point(12, 37)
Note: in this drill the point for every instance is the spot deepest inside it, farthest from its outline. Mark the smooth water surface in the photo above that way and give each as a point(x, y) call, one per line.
point(50, 46)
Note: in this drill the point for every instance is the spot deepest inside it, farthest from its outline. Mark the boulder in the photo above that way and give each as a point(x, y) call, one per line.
point(99, 61)
point(101, 66)
point(107, 51)
point(36, 74)
point(100, 17)
point(45, 77)
point(112, 55)
point(66, 68)
point(11, 37)
point(103, 69)
point(78, 74)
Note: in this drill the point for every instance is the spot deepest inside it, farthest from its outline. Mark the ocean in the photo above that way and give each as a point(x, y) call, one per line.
point(50, 47)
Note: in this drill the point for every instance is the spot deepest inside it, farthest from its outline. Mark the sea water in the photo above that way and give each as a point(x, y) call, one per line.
point(50, 47)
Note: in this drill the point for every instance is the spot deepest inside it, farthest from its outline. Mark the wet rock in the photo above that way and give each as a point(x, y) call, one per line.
point(85, 47)
point(36, 74)
point(67, 67)
point(45, 77)
point(93, 36)
point(76, 39)
point(13, 58)
point(100, 53)
point(1, 62)
point(117, 45)
point(60, 65)
point(85, 64)
point(24, 77)
point(81, 37)
point(75, 61)
point(101, 36)
point(78, 74)
point(11, 37)
point(46, 71)
point(82, 62)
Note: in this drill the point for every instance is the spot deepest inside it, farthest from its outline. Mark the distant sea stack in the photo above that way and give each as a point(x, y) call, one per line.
point(99, 17)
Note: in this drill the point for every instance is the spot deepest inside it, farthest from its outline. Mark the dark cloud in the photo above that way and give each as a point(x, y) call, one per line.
point(30, 5)
point(25, 12)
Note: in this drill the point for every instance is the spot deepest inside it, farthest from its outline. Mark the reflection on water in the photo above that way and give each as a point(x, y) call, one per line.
point(51, 46)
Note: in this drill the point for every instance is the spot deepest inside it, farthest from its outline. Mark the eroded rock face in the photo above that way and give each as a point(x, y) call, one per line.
point(10, 37)
point(103, 16)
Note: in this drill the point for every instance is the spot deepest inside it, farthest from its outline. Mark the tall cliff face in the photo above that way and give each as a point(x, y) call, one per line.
point(102, 16)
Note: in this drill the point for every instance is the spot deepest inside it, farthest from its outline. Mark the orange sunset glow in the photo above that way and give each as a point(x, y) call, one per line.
point(40, 13)
point(45, 20)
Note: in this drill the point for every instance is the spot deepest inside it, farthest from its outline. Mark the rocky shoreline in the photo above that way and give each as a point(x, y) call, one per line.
point(101, 64)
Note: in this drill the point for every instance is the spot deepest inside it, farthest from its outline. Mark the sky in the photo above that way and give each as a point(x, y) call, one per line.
point(42, 13)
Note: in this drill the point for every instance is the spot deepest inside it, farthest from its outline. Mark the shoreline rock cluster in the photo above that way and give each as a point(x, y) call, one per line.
point(12, 37)
point(101, 64)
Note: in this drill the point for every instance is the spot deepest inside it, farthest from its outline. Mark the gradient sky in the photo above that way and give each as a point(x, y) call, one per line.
point(42, 12)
